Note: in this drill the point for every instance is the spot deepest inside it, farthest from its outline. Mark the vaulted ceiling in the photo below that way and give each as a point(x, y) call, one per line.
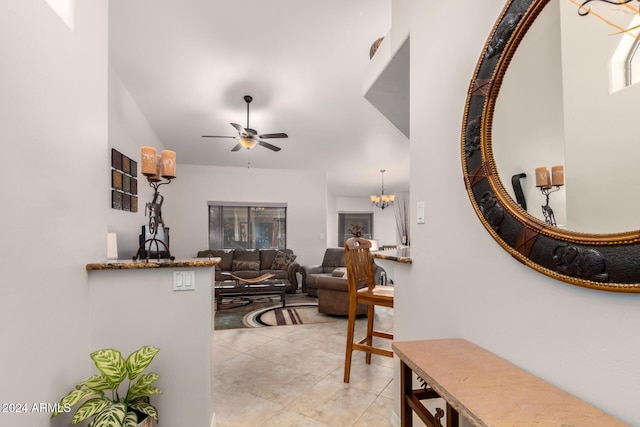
point(189, 63)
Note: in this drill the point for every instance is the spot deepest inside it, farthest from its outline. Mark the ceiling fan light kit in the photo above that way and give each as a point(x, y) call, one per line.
point(248, 138)
point(248, 143)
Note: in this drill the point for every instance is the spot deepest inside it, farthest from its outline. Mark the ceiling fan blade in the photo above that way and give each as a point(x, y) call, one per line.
point(274, 135)
point(239, 128)
point(265, 144)
point(218, 136)
point(237, 147)
point(244, 132)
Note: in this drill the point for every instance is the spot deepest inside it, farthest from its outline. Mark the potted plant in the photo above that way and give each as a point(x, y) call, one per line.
point(101, 394)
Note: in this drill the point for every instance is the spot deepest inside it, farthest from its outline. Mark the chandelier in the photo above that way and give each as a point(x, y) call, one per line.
point(382, 201)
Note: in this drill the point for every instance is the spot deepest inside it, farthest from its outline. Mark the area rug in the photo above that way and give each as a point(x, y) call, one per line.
point(299, 314)
point(232, 313)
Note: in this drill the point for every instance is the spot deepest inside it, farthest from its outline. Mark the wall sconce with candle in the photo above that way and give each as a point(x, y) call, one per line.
point(546, 182)
point(159, 169)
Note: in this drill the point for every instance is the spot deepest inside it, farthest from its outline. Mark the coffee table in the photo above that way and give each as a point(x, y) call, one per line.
point(235, 288)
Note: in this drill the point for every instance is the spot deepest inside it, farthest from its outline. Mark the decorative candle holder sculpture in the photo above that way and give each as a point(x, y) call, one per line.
point(155, 168)
point(549, 184)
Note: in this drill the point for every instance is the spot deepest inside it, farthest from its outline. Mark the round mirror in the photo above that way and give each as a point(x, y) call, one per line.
point(498, 169)
point(560, 108)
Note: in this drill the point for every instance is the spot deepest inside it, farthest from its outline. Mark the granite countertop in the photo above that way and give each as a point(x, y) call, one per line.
point(153, 263)
point(401, 255)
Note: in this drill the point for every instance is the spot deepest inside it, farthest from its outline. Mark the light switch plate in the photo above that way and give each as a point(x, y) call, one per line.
point(184, 280)
point(420, 213)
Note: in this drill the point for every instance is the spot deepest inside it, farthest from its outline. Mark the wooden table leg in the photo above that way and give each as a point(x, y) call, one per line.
point(452, 417)
point(406, 389)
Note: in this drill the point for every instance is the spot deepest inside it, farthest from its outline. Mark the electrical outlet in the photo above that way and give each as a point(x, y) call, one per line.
point(184, 280)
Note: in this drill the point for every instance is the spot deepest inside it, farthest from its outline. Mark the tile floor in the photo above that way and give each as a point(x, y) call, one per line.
point(291, 376)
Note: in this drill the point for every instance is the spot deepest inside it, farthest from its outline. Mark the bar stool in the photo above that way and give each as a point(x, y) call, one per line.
point(363, 290)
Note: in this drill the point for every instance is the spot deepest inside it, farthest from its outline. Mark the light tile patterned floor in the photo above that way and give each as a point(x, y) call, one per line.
point(291, 376)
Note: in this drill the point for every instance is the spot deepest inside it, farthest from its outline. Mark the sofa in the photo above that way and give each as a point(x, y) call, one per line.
point(328, 283)
point(251, 263)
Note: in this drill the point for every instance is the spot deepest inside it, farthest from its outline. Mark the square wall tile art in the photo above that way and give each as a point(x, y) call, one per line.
point(124, 182)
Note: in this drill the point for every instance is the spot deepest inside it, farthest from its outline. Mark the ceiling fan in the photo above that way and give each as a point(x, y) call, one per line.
point(249, 138)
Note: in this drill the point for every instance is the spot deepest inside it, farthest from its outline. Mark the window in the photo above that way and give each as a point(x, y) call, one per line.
point(351, 222)
point(247, 226)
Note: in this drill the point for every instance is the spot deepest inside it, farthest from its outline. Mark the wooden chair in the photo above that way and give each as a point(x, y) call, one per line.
point(363, 290)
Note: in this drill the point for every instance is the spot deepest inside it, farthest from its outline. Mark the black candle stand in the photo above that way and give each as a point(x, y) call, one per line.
point(549, 217)
point(155, 222)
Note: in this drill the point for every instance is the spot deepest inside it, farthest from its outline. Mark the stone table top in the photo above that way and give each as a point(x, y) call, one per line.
point(489, 391)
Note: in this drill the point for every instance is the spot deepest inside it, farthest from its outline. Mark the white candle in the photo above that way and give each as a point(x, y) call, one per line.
point(112, 246)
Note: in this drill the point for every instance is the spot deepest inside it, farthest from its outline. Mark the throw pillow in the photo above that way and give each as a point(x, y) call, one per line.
point(282, 260)
point(246, 265)
point(339, 272)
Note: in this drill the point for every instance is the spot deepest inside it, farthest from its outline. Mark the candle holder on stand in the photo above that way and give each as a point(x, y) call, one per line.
point(549, 217)
point(549, 184)
point(156, 168)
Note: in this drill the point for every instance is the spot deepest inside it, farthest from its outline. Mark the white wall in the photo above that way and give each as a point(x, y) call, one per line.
point(128, 131)
point(53, 128)
point(462, 283)
point(185, 209)
point(179, 323)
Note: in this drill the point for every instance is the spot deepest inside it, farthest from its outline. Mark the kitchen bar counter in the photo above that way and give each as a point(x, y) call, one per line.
point(153, 263)
point(401, 255)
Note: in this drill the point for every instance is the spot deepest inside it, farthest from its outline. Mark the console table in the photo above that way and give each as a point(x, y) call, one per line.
point(484, 389)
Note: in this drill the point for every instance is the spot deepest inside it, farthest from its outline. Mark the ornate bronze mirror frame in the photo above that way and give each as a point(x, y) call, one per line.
point(599, 261)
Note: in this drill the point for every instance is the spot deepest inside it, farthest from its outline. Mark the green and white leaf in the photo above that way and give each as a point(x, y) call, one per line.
point(139, 360)
point(130, 420)
point(111, 416)
point(145, 408)
point(111, 364)
point(144, 385)
point(76, 396)
point(90, 408)
point(72, 398)
point(97, 383)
